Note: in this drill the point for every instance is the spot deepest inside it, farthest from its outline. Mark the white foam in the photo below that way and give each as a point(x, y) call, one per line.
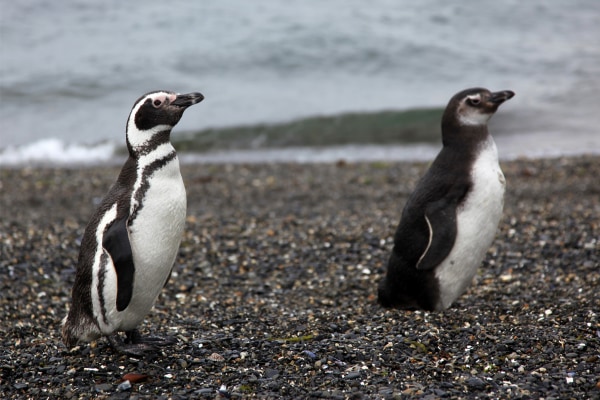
point(56, 152)
point(538, 145)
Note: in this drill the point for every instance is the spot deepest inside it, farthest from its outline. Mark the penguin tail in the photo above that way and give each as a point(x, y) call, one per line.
point(396, 297)
point(390, 297)
point(76, 330)
point(383, 298)
point(68, 337)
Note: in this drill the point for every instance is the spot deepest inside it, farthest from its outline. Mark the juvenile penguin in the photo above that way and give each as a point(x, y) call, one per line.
point(130, 244)
point(451, 218)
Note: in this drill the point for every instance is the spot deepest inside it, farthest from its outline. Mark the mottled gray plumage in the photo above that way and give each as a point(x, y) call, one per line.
point(450, 219)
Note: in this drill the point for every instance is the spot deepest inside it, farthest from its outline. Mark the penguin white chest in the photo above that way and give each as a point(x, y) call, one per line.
point(157, 228)
point(155, 234)
point(477, 222)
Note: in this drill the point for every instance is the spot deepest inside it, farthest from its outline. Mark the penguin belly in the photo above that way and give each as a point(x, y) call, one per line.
point(477, 221)
point(155, 235)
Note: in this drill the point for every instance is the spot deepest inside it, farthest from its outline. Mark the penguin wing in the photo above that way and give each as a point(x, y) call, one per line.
point(116, 243)
point(440, 217)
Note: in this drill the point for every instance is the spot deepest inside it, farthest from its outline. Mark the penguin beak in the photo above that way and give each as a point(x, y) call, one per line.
point(186, 100)
point(500, 97)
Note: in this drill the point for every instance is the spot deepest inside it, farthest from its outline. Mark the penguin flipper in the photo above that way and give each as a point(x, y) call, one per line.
point(116, 243)
point(441, 223)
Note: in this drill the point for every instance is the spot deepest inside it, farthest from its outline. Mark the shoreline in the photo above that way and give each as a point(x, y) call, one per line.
point(273, 292)
point(104, 155)
point(387, 135)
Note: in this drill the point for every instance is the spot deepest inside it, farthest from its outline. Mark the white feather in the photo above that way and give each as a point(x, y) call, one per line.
point(108, 290)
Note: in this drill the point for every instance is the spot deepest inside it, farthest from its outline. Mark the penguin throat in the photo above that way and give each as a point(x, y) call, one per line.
point(140, 143)
point(464, 136)
point(473, 119)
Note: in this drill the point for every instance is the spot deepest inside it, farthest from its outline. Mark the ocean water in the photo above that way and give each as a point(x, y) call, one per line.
point(71, 70)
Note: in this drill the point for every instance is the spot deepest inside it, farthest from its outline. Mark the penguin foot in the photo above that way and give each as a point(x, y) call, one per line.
point(134, 337)
point(136, 345)
point(129, 349)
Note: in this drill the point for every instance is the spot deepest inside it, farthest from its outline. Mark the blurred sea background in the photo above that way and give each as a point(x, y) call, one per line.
point(297, 80)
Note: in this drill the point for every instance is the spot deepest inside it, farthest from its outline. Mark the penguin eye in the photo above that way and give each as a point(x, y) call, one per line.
point(473, 101)
point(157, 103)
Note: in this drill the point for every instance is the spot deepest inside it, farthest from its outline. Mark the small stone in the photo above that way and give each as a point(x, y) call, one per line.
point(352, 375)
point(271, 373)
point(103, 387)
point(216, 357)
point(310, 354)
point(475, 383)
point(134, 377)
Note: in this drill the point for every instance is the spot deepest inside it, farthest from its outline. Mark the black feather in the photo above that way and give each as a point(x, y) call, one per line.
point(116, 242)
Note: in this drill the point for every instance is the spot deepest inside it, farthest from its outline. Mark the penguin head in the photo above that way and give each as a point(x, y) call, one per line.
point(157, 112)
point(473, 107)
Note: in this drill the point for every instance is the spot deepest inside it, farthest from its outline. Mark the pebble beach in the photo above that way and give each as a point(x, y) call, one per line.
point(273, 293)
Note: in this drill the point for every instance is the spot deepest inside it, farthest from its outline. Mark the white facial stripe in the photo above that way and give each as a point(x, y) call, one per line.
point(475, 97)
point(139, 138)
point(108, 218)
point(468, 115)
point(158, 95)
point(474, 118)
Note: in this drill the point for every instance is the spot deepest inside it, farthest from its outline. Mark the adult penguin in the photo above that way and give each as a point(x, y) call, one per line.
point(130, 244)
